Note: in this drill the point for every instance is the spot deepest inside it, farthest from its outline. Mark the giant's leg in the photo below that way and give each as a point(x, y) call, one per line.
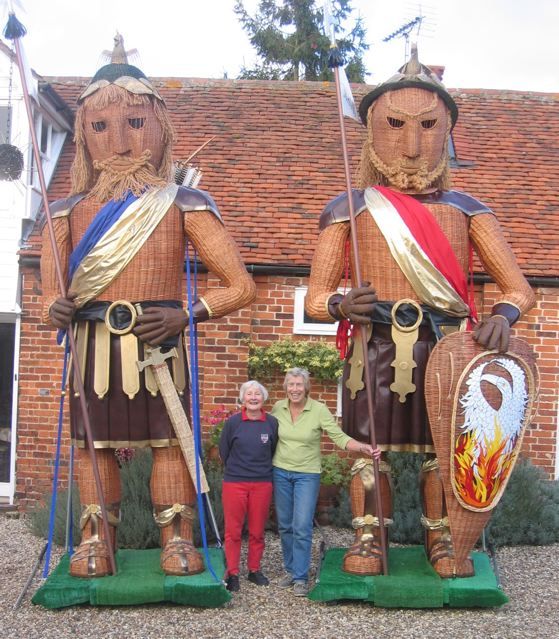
point(365, 555)
point(173, 496)
point(91, 558)
point(438, 542)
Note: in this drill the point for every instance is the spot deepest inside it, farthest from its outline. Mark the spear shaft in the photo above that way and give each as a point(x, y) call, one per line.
point(362, 327)
point(69, 334)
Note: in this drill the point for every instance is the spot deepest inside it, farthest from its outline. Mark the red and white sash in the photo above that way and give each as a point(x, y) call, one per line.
point(421, 250)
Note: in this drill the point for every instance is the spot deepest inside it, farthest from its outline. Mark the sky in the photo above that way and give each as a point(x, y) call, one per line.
point(491, 44)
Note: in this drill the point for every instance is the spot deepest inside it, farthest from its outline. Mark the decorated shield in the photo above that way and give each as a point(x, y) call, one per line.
point(479, 404)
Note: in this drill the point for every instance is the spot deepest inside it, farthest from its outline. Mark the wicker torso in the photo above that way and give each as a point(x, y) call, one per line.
point(155, 272)
point(403, 426)
point(377, 264)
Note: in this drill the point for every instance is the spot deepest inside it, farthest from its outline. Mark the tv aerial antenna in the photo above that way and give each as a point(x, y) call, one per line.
point(417, 22)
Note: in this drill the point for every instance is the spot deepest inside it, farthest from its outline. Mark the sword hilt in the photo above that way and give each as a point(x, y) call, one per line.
point(155, 357)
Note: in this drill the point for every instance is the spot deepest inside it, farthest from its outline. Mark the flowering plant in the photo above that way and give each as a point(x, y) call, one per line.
point(124, 455)
point(216, 420)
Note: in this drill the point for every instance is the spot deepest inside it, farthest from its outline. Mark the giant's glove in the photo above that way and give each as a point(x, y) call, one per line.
point(157, 323)
point(61, 312)
point(494, 332)
point(358, 304)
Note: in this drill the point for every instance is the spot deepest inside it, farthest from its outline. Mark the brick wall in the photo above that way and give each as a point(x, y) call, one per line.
point(223, 356)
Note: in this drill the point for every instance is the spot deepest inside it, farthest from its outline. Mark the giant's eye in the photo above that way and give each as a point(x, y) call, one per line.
point(394, 123)
point(136, 123)
point(100, 126)
point(428, 124)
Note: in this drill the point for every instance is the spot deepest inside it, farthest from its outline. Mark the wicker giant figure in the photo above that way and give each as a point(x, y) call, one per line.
point(414, 237)
point(121, 236)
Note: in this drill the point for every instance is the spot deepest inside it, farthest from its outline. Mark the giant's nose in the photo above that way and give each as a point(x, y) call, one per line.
point(120, 139)
point(412, 139)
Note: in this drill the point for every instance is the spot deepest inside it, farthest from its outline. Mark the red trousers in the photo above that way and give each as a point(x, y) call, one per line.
point(242, 499)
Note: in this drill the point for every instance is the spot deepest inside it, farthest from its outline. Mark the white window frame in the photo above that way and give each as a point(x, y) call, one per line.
point(300, 327)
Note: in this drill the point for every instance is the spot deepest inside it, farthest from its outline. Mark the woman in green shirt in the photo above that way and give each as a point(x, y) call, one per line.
point(297, 472)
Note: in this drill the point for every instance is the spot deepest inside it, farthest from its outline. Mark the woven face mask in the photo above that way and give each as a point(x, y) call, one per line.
point(407, 135)
point(123, 131)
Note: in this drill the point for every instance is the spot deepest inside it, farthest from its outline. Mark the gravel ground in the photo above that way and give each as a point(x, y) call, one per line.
point(528, 574)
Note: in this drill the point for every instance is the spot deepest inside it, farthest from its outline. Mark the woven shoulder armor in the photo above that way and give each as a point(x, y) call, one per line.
point(461, 201)
point(189, 200)
point(63, 208)
point(59, 208)
point(337, 210)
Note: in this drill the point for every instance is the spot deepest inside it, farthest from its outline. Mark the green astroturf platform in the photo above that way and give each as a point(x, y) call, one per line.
point(139, 580)
point(411, 583)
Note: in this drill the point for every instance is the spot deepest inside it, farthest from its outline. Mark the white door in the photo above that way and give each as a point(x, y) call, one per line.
point(9, 359)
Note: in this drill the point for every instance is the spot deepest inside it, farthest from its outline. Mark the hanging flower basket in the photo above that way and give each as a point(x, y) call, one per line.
point(11, 162)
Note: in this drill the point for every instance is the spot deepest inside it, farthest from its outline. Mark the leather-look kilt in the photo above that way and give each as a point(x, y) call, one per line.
point(398, 426)
point(118, 421)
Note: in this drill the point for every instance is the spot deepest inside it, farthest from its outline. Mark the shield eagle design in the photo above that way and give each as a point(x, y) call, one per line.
point(479, 404)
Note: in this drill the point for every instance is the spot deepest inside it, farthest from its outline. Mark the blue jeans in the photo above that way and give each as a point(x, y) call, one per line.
point(295, 496)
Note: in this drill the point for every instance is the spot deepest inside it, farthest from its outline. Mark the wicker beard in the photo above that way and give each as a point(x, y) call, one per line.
point(117, 176)
point(398, 178)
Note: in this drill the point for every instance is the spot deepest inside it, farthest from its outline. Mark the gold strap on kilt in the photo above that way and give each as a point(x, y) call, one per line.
point(81, 334)
point(102, 360)
point(404, 338)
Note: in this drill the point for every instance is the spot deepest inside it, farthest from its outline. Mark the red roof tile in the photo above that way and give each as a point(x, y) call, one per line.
point(276, 160)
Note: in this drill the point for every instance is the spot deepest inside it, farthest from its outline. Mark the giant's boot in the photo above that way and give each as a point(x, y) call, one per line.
point(365, 555)
point(91, 558)
point(438, 542)
point(174, 497)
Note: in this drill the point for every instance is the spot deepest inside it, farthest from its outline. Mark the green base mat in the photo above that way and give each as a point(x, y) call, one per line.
point(139, 580)
point(411, 583)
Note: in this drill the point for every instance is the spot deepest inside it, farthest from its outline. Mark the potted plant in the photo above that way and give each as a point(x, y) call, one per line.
point(216, 420)
point(334, 475)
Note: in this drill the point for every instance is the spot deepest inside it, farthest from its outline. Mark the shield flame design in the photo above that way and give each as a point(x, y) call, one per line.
point(490, 418)
point(479, 404)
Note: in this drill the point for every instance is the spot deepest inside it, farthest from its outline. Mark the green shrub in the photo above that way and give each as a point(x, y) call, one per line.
point(38, 519)
point(214, 475)
point(340, 516)
point(137, 528)
point(321, 359)
point(335, 470)
point(406, 499)
point(528, 512)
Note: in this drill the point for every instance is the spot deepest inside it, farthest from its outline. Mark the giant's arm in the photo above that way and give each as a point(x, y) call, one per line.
point(220, 254)
point(51, 291)
point(326, 270)
point(517, 296)
point(500, 263)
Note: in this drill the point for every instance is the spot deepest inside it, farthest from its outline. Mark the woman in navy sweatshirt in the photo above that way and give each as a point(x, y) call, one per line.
point(247, 445)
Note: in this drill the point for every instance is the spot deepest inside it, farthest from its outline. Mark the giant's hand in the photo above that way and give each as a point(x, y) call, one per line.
point(359, 303)
point(493, 333)
point(62, 311)
point(157, 323)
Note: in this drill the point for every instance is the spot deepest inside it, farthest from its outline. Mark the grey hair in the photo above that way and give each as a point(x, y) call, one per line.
point(298, 372)
point(247, 385)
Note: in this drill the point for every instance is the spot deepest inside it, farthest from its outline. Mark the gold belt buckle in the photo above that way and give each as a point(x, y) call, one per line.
point(133, 318)
point(404, 337)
